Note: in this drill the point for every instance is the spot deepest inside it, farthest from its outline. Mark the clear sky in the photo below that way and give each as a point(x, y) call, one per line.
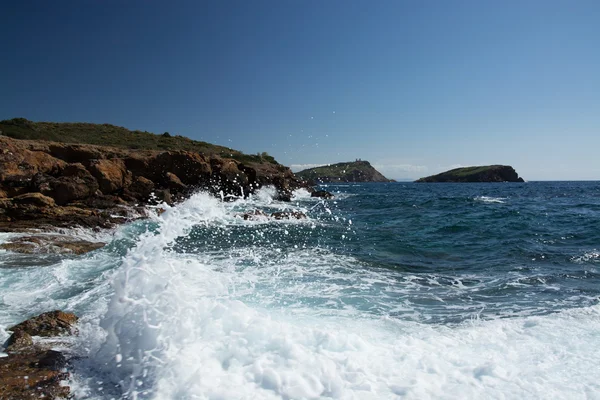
point(415, 87)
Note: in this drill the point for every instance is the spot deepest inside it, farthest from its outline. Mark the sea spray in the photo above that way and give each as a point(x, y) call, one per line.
point(144, 301)
point(218, 307)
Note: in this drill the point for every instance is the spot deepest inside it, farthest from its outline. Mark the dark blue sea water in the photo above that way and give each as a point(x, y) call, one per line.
point(395, 290)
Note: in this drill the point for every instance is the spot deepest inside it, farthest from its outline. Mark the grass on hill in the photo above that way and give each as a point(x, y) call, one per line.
point(338, 170)
point(111, 135)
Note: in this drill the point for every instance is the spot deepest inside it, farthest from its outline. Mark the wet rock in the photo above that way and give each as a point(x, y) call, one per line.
point(253, 215)
point(323, 194)
point(81, 185)
point(163, 195)
point(50, 244)
point(288, 215)
point(53, 323)
point(284, 195)
point(140, 189)
point(18, 341)
point(174, 183)
point(33, 374)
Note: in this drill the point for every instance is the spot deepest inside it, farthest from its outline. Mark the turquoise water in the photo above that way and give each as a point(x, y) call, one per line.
point(388, 291)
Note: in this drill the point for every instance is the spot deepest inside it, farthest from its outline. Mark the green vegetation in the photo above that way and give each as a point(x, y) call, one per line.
point(357, 171)
point(111, 135)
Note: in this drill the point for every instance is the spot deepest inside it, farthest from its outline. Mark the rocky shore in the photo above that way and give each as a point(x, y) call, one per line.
point(30, 369)
point(46, 186)
point(50, 184)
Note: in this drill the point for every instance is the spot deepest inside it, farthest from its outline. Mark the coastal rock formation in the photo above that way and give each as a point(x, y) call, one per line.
point(357, 171)
point(323, 194)
point(58, 184)
point(489, 173)
point(31, 370)
point(53, 323)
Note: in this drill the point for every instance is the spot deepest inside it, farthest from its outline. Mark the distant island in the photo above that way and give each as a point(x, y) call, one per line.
point(356, 171)
point(487, 173)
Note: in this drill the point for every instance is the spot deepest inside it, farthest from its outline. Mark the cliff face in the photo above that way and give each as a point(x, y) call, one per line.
point(358, 171)
point(73, 184)
point(490, 173)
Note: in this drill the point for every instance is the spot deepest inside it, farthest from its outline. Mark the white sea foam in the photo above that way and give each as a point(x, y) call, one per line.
point(184, 326)
point(266, 322)
point(590, 256)
point(490, 199)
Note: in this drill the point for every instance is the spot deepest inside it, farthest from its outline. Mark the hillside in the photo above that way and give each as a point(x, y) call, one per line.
point(488, 173)
point(116, 136)
point(357, 171)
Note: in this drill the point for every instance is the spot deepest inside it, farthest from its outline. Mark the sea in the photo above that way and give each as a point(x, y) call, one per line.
point(388, 291)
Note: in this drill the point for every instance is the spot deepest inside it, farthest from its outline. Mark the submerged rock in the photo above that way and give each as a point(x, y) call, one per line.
point(288, 215)
point(323, 194)
point(50, 244)
point(253, 215)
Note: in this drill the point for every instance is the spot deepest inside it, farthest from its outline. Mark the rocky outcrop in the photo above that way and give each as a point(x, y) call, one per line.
point(53, 323)
point(32, 370)
point(322, 194)
point(48, 183)
point(489, 173)
point(357, 171)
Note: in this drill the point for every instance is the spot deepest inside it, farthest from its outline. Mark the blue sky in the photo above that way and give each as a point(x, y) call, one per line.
point(415, 87)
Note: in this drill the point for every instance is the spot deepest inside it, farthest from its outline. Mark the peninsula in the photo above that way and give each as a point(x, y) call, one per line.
point(488, 173)
point(357, 171)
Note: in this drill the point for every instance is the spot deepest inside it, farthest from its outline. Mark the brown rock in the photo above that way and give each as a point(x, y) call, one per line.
point(163, 195)
point(174, 183)
point(34, 199)
point(50, 244)
point(53, 323)
point(191, 168)
point(18, 341)
point(140, 189)
point(75, 153)
point(70, 188)
point(112, 175)
point(33, 374)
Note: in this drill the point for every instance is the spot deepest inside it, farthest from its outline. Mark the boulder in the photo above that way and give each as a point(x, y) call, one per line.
point(323, 194)
point(112, 175)
point(253, 215)
point(140, 189)
point(174, 184)
point(18, 341)
point(288, 215)
point(53, 323)
point(163, 196)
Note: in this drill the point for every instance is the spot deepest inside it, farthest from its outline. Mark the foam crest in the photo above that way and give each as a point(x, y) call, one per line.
point(490, 199)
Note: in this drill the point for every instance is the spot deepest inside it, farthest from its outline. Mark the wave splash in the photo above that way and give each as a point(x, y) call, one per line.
point(181, 325)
